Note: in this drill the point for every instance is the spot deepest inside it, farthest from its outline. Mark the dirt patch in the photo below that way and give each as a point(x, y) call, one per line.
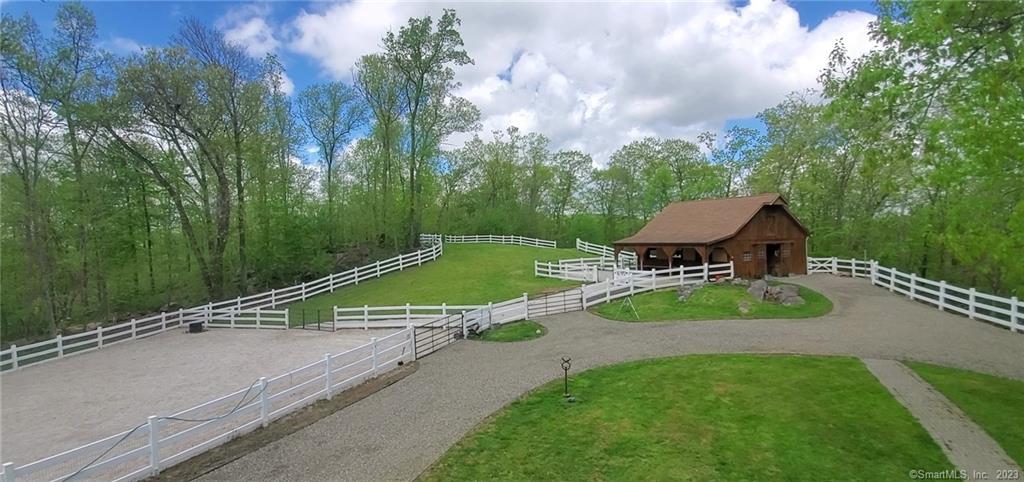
point(217, 457)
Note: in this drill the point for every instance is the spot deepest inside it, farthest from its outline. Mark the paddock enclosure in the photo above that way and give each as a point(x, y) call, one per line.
point(56, 406)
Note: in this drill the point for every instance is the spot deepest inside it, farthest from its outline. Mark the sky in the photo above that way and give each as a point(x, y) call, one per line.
point(588, 75)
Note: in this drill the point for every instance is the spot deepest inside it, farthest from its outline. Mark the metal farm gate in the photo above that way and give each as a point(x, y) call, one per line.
point(555, 303)
point(437, 334)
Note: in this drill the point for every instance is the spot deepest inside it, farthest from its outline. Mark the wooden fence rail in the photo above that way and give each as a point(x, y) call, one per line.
point(1002, 311)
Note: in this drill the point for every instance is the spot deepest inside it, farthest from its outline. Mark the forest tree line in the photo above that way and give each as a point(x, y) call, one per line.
point(173, 176)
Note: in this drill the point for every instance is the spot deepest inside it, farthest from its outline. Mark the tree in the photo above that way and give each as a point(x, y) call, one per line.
point(331, 113)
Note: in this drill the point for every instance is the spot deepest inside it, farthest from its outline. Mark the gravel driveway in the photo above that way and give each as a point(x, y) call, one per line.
point(398, 432)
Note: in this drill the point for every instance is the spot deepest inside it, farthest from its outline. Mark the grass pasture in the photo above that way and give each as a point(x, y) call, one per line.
point(516, 331)
point(996, 404)
point(465, 274)
point(717, 417)
point(711, 302)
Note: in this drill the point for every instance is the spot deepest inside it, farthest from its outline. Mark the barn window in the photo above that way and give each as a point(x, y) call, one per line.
point(747, 256)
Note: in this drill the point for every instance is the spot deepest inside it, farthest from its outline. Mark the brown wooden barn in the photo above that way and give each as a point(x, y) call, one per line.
point(758, 233)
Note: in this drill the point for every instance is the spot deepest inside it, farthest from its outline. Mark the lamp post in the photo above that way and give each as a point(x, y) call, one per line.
point(566, 364)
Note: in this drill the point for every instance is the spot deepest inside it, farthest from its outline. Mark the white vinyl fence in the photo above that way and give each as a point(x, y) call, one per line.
point(571, 272)
point(394, 316)
point(162, 441)
point(253, 311)
point(629, 282)
point(1006, 312)
point(432, 239)
point(627, 259)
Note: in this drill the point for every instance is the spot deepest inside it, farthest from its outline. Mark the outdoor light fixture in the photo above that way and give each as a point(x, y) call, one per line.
point(566, 364)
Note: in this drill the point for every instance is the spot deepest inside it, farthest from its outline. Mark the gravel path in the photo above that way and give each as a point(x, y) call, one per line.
point(968, 447)
point(398, 432)
point(51, 407)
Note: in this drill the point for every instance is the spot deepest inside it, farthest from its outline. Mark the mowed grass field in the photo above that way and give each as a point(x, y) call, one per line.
point(711, 302)
point(718, 417)
point(465, 274)
point(996, 404)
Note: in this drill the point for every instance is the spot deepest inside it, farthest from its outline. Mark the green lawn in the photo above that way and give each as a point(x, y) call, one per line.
point(996, 404)
point(515, 331)
point(735, 417)
point(711, 302)
point(465, 274)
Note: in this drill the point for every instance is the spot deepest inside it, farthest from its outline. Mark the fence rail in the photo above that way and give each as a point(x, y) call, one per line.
point(571, 272)
point(161, 442)
point(394, 316)
point(626, 259)
point(629, 282)
point(253, 311)
point(435, 239)
point(1005, 312)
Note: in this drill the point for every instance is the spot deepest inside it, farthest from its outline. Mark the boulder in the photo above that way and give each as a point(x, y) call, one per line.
point(685, 291)
point(757, 289)
point(793, 301)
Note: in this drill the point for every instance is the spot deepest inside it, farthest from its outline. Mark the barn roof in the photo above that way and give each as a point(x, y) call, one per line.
point(703, 222)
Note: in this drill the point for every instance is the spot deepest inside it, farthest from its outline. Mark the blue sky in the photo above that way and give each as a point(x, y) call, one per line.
point(589, 76)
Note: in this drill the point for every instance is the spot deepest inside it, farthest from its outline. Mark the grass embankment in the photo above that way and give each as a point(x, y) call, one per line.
point(711, 302)
point(996, 404)
point(465, 274)
point(701, 418)
point(515, 331)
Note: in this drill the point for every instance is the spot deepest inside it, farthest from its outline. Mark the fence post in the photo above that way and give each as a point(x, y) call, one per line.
point(526, 307)
point(408, 315)
point(60, 346)
point(264, 402)
point(835, 265)
point(913, 284)
point(9, 474)
point(942, 295)
point(378, 267)
point(892, 279)
point(287, 322)
point(163, 320)
point(330, 281)
point(874, 271)
point(1014, 313)
point(412, 343)
point(465, 332)
point(970, 303)
point(154, 444)
point(376, 364)
point(853, 268)
point(303, 291)
point(14, 357)
point(596, 279)
point(706, 276)
point(99, 337)
point(732, 271)
point(133, 328)
point(273, 298)
point(356, 274)
point(607, 292)
point(444, 308)
point(490, 314)
point(327, 374)
point(366, 317)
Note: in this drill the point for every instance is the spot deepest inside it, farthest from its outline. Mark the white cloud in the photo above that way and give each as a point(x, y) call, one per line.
point(596, 76)
point(122, 45)
point(247, 26)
